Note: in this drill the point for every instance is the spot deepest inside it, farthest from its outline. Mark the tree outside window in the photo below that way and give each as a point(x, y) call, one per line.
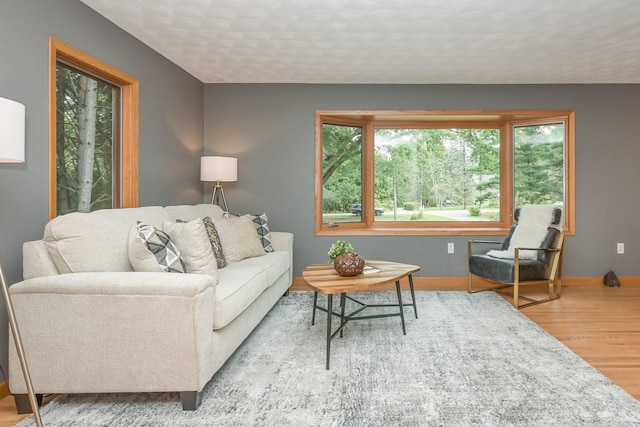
point(422, 173)
point(539, 164)
point(87, 142)
point(341, 171)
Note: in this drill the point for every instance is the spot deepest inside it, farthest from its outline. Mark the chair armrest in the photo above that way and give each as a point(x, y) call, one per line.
point(538, 249)
point(117, 283)
point(472, 242)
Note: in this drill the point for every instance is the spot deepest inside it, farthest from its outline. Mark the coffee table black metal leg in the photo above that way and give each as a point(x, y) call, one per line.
point(315, 304)
point(329, 316)
point(404, 329)
point(343, 302)
point(413, 295)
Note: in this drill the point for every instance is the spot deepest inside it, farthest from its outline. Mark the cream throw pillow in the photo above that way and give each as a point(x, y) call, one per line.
point(238, 238)
point(193, 241)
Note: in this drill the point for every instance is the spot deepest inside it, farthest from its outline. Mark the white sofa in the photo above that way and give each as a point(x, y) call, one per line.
point(91, 324)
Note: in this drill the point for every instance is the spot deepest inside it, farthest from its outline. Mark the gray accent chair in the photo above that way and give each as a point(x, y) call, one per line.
point(503, 273)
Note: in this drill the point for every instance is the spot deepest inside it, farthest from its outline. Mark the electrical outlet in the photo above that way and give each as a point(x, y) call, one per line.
point(620, 248)
point(450, 248)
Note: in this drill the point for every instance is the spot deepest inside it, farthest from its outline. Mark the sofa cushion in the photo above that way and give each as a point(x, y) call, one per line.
point(96, 241)
point(239, 238)
point(241, 283)
point(274, 264)
point(152, 250)
point(192, 240)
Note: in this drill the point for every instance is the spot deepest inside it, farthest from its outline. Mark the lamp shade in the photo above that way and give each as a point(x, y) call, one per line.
point(216, 168)
point(11, 131)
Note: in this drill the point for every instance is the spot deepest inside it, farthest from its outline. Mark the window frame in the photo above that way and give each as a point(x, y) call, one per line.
point(505, 120)
point(127, 152)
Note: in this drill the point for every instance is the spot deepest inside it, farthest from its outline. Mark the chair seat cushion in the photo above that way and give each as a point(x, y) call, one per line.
point(501, 270)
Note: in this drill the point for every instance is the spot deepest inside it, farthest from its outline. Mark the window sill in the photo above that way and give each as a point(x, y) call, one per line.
point(389, 231)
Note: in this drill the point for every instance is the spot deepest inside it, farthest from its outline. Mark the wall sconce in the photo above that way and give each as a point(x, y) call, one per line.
point(219, 169)
point(12, 120)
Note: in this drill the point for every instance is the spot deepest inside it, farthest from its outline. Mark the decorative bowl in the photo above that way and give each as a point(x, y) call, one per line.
point(348, 264)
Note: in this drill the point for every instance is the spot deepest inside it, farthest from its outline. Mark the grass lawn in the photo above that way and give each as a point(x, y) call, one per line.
point(429, 214)
point(387, 216)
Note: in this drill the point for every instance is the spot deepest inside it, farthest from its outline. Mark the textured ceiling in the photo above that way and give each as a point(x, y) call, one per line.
point(385, 41)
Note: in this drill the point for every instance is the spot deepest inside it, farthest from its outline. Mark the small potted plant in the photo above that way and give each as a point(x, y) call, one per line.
point(340, 247)
point(345, 259)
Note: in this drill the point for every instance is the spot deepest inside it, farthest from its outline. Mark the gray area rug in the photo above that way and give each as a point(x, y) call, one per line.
point(467, 360)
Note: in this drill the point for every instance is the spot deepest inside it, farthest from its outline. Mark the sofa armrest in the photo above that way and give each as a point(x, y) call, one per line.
point(114, 332)
point(282, 241)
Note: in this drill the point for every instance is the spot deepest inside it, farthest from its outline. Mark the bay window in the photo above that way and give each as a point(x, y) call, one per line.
point(442, 172)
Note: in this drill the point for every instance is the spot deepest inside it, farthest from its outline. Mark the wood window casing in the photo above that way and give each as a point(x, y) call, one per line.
point(129, 120)
point(505, 120)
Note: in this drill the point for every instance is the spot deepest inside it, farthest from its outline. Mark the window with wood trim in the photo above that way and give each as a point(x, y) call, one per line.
point(93, 133)
point(440, 172)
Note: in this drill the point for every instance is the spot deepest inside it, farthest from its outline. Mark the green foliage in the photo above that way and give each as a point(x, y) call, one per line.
point(418, 216)
point(338, 248)
point(416, 168)
point(539, 164)
point(341, 167)
point(73, 112)
point(474, 210)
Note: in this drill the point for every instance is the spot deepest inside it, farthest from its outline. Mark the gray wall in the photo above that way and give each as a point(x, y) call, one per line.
point(270, 128)
point(171, 118)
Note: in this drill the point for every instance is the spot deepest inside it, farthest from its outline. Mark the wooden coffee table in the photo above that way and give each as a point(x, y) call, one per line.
point(323, 278)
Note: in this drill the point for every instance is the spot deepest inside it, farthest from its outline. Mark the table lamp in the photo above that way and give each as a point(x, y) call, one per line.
point(219, 169)
point(12, 137)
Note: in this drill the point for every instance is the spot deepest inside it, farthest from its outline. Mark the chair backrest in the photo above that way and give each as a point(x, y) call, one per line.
point(550, 239)
point(556, 216)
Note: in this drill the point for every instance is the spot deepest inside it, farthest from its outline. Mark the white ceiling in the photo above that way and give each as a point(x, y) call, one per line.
point(389, 41)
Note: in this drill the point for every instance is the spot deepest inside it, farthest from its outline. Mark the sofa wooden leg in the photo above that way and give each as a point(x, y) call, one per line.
point(190, 400)
point(23, 405)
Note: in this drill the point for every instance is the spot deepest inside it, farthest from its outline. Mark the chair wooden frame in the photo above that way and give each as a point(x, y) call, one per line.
point(553, 279)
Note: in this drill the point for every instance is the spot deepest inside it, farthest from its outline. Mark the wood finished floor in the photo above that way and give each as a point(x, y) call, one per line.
point(600, 324)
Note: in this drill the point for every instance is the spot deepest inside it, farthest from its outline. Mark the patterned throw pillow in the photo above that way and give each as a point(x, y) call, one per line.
point(214, 239)
point(262, 227)
point(151, 249)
